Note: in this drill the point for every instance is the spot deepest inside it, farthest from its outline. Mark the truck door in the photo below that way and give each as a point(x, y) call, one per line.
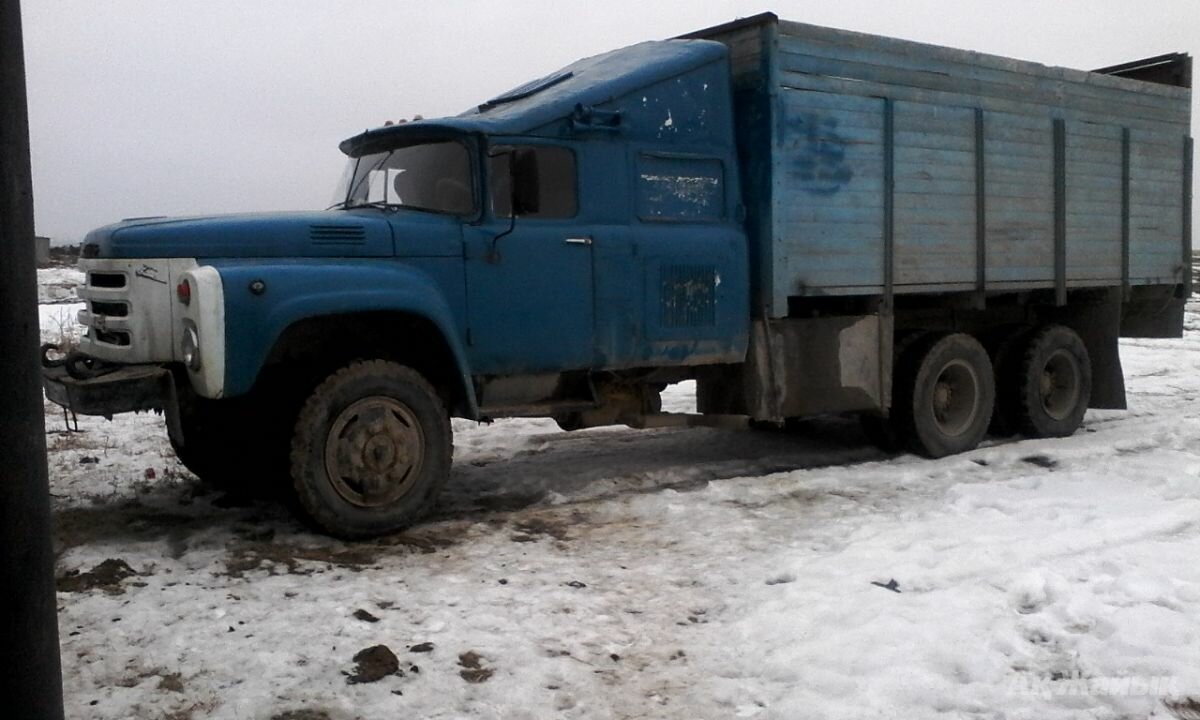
point(694, 259)
point(529, 290)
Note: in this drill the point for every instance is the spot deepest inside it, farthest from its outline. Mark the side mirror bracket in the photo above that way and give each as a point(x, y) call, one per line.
point(524, 182)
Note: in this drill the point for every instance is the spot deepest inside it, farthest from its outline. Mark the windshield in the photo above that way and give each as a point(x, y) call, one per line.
point(432, 176)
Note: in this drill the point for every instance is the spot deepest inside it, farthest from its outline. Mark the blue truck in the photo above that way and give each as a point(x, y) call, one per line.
point(804, 221)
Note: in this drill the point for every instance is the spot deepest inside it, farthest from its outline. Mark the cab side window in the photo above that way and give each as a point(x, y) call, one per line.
point(553, 170)
point(680, 189)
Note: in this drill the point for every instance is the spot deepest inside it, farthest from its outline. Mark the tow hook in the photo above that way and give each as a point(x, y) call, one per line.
point(82, 367)
point(52, 362)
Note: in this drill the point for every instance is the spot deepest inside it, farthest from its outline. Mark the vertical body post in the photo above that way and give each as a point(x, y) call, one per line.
point(31, 677)
point(889, 204)
point(980, 213)
point(1125, 144)
point(1188, 164)
point(1060, 212)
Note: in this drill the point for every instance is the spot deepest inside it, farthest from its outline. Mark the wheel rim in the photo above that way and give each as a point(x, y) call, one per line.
point(955, 398)
point(1059, 385)
point(374, 451)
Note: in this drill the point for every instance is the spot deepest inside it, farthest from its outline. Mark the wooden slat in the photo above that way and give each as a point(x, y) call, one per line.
point(874, 89)
point(954, 61)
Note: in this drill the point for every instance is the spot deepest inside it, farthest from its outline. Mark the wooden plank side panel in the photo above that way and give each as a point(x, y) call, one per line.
point(829, 211)
point(831, 216)
point(1015, 103)
point(1093, 174)
point(931, 62)
point(935, 232)
point(1115, 103)
point(1019, 228)
point(1155, 209)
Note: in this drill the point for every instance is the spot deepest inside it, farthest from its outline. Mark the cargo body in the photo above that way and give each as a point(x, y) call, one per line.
point(926, 187)
point(875, 166)
point(804, 221)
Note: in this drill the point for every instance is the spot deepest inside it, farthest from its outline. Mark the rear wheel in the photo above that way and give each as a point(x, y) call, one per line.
point(371, 450)
point(1007, 352)
point(947, 404)
point(1055, 383)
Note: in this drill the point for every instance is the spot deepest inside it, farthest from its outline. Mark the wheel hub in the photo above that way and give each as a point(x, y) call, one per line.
point(955, 398)
point(374, 451)
point(1060, 385)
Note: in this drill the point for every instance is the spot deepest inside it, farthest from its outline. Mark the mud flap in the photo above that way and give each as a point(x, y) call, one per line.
point(1097, 320)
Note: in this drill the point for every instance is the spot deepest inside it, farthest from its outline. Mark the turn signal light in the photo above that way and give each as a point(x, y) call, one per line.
point(184, 291)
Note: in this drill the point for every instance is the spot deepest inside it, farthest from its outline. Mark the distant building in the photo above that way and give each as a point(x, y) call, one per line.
point(41, 250)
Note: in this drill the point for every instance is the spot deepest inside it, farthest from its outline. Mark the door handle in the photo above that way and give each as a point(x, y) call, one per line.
point(578, 241)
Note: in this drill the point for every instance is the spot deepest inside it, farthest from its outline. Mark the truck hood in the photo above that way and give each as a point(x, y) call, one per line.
point(302, 234)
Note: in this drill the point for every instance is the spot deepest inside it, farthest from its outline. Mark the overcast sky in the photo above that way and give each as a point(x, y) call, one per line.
point(190, 107)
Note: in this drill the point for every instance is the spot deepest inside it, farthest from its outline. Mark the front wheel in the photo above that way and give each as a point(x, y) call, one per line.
point(371, 450)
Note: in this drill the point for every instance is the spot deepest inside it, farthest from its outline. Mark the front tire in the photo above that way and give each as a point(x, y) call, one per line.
point(236, 445)
point(947, 404)
point(371, 450)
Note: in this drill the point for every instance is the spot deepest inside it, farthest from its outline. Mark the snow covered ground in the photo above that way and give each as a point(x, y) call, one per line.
point(701, 573)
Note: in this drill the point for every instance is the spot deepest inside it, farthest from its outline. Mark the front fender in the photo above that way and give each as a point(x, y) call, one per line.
point(298, 290)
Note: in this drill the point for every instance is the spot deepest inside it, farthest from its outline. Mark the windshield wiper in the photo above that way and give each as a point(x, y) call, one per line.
point(358, 185)
point(380, 204)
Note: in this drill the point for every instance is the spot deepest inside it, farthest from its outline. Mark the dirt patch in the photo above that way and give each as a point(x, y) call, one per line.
point(106, 576)
point(284, 558)
point(1187, 708)
point(496, 502)
point(537, 527)
point(154, 516)
point(170, 682)
point(1041, 461)
point(259, 550)
point(472, 667)
point(429, 538)
point(302, 715)
point(365, 616)
point(373, 664)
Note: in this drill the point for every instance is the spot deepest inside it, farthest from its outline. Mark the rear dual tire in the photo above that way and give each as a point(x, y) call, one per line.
point(944, 397)
point(1054, 383)
point(946, 392)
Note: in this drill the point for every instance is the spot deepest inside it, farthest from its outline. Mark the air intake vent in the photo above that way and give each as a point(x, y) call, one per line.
point(337, 234)
point(689, 295)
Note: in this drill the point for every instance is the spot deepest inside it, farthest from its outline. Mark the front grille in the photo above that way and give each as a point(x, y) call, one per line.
point(129, 308)
point(106, 280)
point(111, 309)
point(119, 338)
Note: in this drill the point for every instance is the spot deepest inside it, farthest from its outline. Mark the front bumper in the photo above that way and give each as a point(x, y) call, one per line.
point(128, 389)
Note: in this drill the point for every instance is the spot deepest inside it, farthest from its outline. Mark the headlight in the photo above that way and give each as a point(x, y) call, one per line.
point(191, 346)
